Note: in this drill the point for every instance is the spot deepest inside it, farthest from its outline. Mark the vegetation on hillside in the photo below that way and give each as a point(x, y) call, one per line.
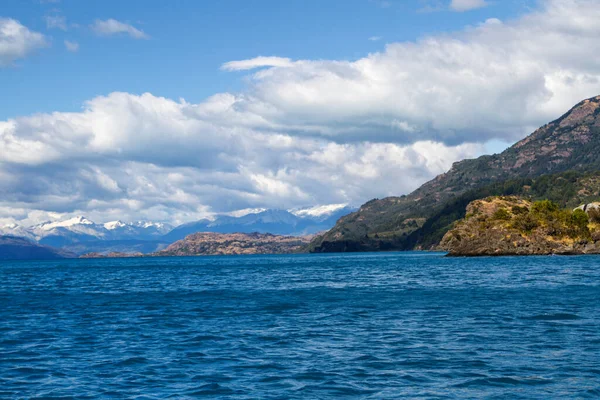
point(568, 189)
point(511, 225)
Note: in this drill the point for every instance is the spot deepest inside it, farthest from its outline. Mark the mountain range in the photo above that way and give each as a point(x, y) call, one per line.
point(276, 222)
point(79, 235)
point(565, 152)
point(81, 229)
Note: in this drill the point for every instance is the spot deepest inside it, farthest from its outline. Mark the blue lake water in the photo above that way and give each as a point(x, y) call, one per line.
point(380, 326)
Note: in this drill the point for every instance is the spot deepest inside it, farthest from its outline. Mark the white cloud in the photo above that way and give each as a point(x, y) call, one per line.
point(153, 158)
point(72, 46)
point(56, 22)
point(467, 5)
point(305, 132)
point(375, 38)
point(485, 82)
point(257, 62)
point(17, 41)
point(111, 27)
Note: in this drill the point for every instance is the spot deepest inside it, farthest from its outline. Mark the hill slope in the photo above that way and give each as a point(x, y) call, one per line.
point(16, 248)
point(571, 143)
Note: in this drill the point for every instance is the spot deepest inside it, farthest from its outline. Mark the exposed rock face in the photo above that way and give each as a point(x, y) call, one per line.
point(234, 243)
point(513, 226)
point(571, 142)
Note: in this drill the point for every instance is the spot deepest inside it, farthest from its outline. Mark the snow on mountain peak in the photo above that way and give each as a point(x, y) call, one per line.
point(112, 225)
point(149, 224)
point(66, 224)
point(245, 211)
point(318, 211)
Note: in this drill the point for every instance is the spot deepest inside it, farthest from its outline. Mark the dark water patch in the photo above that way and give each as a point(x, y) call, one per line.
point(503, 381)
point(553, 317)
point(131, 361)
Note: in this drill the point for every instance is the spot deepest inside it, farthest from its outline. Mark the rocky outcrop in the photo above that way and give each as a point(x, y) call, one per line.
point(512, 226)
point(234, 243)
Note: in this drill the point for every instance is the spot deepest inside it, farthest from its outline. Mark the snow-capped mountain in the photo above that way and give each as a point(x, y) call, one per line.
point(278, 222)
point(82, 230)
point(75, 223)
point(81, 235)
point(113, 225)
point(60, 233)
point(16, 230)
point(140, 230)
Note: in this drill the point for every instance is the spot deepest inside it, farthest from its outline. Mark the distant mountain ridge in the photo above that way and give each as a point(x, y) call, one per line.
point(276, 222)
point(80, 235)
point(18, 248)
point(570, 143)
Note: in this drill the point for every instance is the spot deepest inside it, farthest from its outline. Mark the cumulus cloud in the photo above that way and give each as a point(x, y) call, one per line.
point(17, 41)
point(72, 46)
point(256, 62)
point(305, 132)
point(483, 83)
point(467, 5)
point(112, 27)
point(152, 157)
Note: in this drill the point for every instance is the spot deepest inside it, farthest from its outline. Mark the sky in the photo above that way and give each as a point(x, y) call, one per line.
point(175, 110)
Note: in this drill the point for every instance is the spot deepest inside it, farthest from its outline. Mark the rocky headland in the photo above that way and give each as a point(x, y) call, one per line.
point(509, 225)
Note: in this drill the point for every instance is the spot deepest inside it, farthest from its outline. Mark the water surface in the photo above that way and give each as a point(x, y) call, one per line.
point(376, 326)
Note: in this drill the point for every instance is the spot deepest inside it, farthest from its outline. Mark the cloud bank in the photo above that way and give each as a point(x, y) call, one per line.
point(305, 132)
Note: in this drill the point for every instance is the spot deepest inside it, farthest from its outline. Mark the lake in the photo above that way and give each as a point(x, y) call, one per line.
point(377, 326)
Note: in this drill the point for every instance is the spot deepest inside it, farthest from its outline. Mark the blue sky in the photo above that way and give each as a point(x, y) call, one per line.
point(176, 110)
point(190, 40)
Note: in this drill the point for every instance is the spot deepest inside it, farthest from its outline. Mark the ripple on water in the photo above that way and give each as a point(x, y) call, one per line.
point(377, 326)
